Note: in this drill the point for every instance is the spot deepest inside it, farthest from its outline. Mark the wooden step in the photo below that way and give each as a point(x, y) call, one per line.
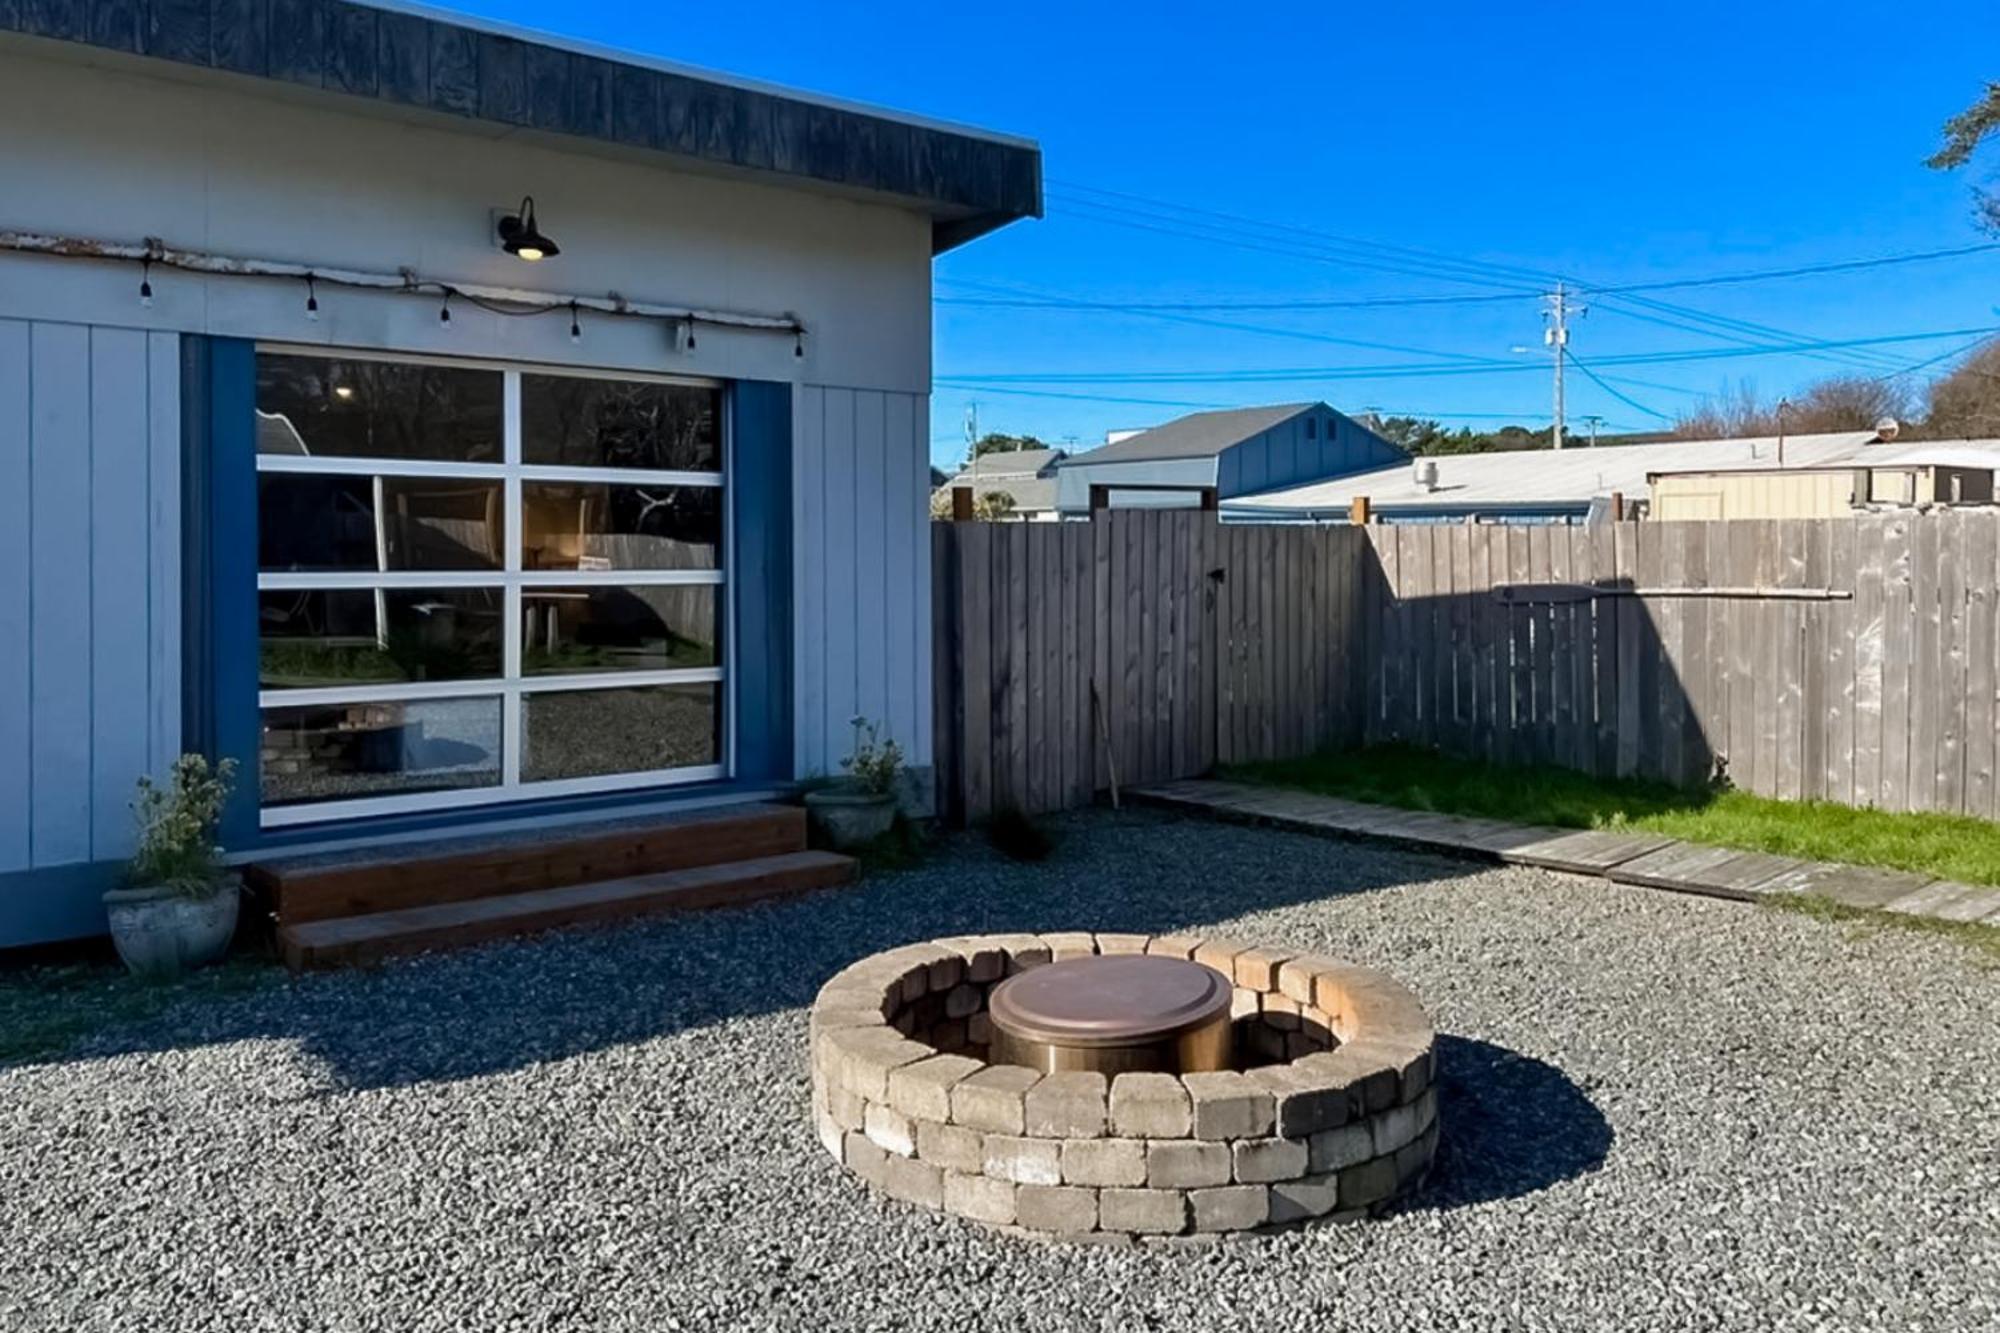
point(390, 878)
point(350, 940)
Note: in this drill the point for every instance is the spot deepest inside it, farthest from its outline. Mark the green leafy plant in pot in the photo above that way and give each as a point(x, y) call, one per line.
point(861, 806)
point(178, 909)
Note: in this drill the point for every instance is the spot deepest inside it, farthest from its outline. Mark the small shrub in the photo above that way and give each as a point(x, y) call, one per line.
point(177, 825)
point(875, 766)
point(1018, 837)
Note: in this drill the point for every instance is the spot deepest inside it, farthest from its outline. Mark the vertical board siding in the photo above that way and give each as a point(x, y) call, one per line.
point(863, 573)
point(90, 593)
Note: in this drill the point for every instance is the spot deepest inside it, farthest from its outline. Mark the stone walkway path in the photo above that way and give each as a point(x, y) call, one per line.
point(1646, 859)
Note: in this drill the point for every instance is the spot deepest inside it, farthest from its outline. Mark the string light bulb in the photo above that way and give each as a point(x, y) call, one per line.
point(146, 283)
point(798, 344)
point(690, 337)
point(444, 310)
point(575, 329)
point(312, 299)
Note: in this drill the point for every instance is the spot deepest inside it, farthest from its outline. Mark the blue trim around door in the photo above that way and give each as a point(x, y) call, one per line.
point(760, 498)
point(219, 550)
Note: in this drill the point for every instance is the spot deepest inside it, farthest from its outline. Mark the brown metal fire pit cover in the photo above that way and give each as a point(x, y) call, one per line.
point(1118, 1000)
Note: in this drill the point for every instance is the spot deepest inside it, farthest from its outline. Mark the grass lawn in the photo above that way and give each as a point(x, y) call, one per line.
point(1954, 847)
point(45, 1010)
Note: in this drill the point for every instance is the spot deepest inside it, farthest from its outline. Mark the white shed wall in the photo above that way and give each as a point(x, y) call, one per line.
point(862, 487)
point(121, 151)
point(90, 600)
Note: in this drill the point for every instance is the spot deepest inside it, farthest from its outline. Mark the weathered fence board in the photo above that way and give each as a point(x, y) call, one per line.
point(1852, 660)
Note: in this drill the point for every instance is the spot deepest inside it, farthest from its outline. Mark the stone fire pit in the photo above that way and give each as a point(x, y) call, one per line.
point(1329, 1111)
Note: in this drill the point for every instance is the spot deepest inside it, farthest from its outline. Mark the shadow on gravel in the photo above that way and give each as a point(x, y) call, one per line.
point(1512, 1125)
point(492, 1010)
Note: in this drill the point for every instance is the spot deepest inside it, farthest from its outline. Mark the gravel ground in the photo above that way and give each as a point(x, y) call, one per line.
point(1659, 1113)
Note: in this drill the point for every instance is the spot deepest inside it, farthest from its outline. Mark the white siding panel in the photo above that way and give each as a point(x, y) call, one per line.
point(163, 548)
point(120, 676)
point(89, 584)
point(59, 585)
point(16, 549)
point(809, 581)
point(871, 565)
point(863, 572)
point(906, 550)
point(839, 554)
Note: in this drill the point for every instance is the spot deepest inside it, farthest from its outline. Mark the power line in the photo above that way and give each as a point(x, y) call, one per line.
point(1479, 298)
point(1279, 375)
point(1333, 248)
point(1306, 335)
point(1624, 398)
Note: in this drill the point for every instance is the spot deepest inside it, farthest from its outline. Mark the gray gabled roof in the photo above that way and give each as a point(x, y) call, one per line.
point(400, 57)
point(1197, 435)
point(1029, 475)
point(1010, 463)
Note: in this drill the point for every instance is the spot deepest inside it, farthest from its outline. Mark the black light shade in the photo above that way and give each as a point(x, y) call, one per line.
point(520, 237)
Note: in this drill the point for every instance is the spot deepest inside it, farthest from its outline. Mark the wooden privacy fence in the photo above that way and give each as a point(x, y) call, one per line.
point(1848, 659)
point(1141, 646)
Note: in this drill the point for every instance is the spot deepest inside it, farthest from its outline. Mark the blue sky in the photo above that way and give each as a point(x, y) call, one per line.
point(1588, 140)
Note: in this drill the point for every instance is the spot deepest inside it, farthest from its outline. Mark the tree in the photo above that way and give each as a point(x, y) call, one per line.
point(1420, 435)
point(994, 443)
point(1965, 401)
point(1837, 403)
point(994, 505)
point(1963, 134)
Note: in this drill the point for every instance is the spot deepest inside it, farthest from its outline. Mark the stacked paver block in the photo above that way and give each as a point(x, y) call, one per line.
point(1332, 1113)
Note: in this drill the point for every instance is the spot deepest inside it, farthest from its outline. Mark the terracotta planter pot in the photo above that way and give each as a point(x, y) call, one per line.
point(160, 933)
point(849, 818)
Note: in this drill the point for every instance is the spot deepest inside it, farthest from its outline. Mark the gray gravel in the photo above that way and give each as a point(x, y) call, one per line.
point(1660, 1113)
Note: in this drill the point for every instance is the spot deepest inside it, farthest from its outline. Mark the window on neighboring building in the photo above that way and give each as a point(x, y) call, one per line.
point(1312, 428)
point(480, 584)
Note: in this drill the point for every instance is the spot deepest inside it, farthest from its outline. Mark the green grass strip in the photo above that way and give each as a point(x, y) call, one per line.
point(46, 1010)
point(1956, 847)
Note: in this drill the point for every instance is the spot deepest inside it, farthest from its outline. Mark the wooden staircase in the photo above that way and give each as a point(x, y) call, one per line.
point(355, 907)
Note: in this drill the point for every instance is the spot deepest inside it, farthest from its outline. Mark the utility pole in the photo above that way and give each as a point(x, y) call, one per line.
point(971, 432)
point(1557, 337)
point(1593, 421)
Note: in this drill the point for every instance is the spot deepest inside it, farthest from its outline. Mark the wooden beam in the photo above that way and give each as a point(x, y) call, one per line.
point(961, 504)
point(1357, 511)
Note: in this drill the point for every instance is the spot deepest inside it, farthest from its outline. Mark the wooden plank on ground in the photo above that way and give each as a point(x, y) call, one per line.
point(1587, 851)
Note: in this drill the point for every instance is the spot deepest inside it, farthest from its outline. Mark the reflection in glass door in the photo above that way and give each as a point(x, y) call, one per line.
point(478, 584)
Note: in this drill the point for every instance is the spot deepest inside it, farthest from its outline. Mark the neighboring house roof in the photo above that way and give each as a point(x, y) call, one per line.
point(399, 58)
point(1029, 475)
point(1934, 453)
point(1526, 479)
point(1197, 435)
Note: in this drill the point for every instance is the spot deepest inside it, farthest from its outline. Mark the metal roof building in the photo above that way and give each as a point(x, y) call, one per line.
point(1528, 485)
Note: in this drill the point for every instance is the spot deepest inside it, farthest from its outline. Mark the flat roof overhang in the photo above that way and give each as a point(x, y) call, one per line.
point(415, 63)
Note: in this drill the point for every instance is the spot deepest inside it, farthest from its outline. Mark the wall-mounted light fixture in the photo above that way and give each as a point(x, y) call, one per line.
point(520, 237)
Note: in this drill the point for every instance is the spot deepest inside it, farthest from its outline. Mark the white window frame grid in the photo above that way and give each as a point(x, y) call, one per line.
point(510, 688)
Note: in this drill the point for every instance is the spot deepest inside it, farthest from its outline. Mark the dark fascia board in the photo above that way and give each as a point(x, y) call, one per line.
point(968, 182)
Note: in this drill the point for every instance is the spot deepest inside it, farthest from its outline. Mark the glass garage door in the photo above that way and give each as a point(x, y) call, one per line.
point(480, 584)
